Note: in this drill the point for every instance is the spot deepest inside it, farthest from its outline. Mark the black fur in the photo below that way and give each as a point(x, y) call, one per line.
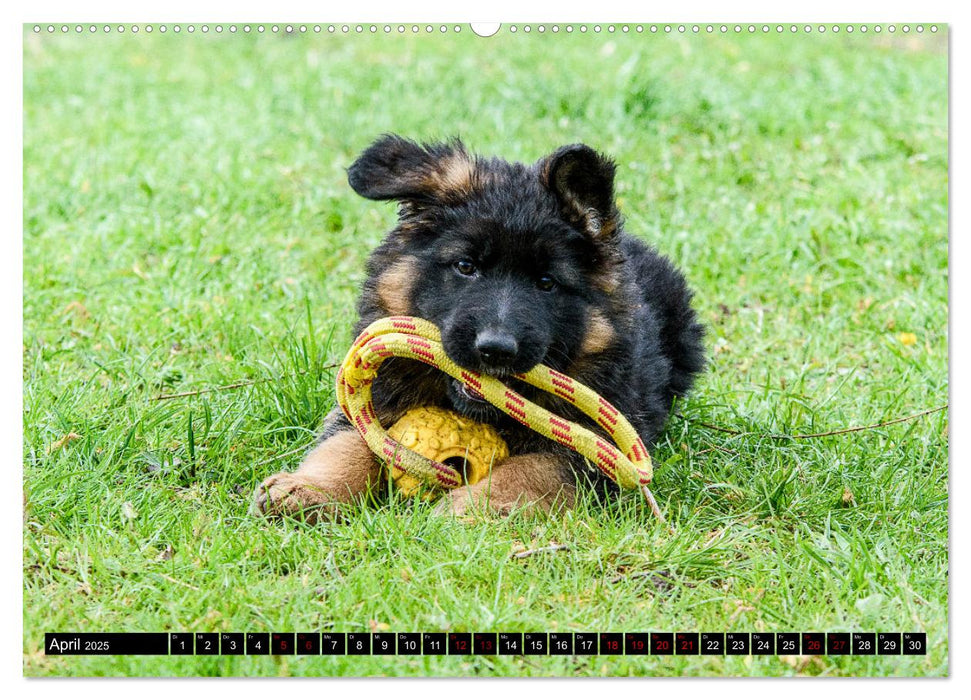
point(485, 251)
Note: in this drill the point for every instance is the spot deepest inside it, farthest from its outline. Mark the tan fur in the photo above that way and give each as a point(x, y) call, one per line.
point(607, 279)
point(395, 285)
point(590, 219)
point(452, 251)
point(530, 482)
point(599, 334)
point(544, 172)
point(335, 472)
point(453, 177)
point(608, 227)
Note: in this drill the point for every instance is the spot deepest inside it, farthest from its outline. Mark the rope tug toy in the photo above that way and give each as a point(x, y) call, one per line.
point(416, 339)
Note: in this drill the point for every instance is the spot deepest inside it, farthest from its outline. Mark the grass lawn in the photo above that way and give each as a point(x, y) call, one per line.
point(188, 225)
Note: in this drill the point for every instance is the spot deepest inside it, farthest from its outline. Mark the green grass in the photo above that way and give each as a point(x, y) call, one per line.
point(187, 224)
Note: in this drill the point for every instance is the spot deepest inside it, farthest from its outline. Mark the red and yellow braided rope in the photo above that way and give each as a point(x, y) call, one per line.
point(417, 339)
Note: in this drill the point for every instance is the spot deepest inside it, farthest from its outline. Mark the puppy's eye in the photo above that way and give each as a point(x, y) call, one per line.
point(465, 267)
point(546, 283)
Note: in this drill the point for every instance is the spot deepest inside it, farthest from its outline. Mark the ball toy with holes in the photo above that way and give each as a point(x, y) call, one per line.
point(444, 436)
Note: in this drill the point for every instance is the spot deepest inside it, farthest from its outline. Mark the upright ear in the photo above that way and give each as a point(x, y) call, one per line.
point(583, 182)
point(396, 168)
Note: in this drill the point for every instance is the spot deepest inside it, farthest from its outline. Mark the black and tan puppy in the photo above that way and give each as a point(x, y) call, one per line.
point(517, 265)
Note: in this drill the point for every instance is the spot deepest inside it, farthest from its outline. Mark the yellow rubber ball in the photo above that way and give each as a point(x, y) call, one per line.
point(445, 436)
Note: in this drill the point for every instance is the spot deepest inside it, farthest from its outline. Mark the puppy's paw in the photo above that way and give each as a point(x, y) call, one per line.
point(454, 502)
point(289, 494)
point(469, 501)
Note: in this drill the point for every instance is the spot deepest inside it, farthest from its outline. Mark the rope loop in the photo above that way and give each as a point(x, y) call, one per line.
point(624, 461)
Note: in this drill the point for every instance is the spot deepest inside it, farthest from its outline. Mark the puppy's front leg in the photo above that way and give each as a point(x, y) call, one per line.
point(534, 482)
point(337, 471)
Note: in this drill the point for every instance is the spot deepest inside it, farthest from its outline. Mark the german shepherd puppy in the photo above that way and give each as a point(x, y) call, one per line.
point(517, 265)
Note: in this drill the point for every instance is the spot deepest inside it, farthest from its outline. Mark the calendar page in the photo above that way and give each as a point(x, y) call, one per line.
point(471, 350)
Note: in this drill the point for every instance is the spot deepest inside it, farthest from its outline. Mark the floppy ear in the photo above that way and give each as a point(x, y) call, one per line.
point(396, 168)
point(583, 182)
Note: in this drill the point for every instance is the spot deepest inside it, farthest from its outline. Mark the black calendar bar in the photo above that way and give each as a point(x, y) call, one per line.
point(486, 643)
point(106, 644)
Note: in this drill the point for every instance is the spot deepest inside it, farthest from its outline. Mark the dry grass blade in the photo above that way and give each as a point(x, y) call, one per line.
point(540, 550)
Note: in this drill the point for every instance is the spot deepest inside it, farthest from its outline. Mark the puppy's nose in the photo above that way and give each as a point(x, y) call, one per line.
point(496, 348)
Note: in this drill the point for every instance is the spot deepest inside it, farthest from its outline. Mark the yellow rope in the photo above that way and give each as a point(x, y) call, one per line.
point(417, 339)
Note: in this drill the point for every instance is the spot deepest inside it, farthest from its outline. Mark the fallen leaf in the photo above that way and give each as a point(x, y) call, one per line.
point(76, 308)
point(848, 498)
point(802, 663)
point(58, 444)
point(740, 607)
point(722, 345)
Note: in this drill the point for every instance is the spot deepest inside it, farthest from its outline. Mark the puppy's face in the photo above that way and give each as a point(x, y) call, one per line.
point(507, 260)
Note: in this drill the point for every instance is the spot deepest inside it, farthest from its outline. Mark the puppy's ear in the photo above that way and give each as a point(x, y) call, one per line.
point(396, 168)
point(583, 182)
